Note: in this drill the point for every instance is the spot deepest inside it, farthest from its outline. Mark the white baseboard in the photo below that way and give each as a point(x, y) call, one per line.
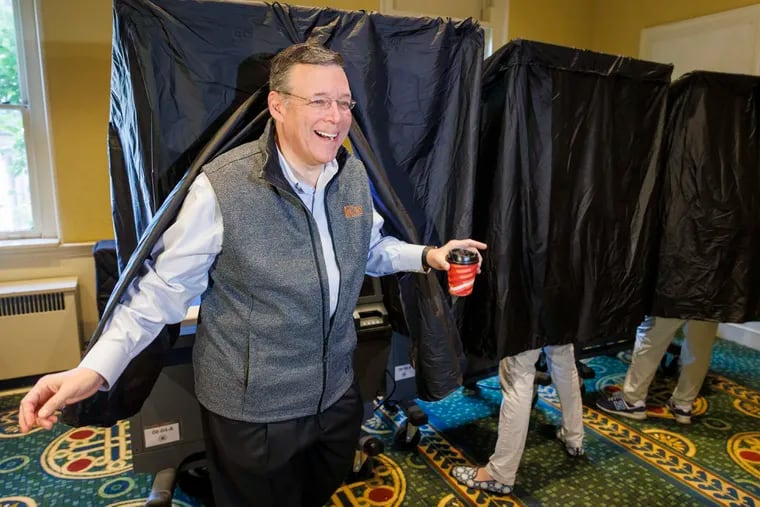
point(747, 334)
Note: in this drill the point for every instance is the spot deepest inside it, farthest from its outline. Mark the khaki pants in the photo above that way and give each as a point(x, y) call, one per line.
point(652, 340)
point(516, 374)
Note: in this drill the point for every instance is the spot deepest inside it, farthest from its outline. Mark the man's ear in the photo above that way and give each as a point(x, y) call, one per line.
point(275, 103)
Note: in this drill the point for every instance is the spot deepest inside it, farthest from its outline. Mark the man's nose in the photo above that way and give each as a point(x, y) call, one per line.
point(334, 112)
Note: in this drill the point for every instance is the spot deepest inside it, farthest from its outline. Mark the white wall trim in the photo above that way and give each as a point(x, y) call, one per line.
point(498, 20)
point(747, 334)
point(14, 251)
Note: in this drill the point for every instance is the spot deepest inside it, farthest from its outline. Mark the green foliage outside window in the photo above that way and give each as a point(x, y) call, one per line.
point(9, 88)
point(11, 124)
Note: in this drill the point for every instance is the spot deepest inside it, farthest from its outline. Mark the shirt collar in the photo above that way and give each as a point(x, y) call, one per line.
point(329, 170)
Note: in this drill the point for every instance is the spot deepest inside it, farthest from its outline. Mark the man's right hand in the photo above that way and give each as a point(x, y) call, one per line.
point(53, 392)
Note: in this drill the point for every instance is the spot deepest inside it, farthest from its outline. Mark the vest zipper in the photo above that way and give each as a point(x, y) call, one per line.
point(326, 327)
point(328, 331)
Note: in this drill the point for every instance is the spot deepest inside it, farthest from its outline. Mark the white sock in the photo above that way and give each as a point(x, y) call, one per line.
point(685, 408)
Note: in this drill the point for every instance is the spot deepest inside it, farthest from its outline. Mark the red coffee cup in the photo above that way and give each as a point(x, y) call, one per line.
point(463, 265)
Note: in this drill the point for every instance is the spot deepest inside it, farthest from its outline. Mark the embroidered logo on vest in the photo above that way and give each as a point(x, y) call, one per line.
point(353, 211)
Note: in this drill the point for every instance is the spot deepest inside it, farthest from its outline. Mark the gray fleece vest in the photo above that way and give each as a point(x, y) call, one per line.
point(266, 348)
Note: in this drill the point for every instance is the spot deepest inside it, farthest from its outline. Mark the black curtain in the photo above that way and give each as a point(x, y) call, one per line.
point(567, 186)
point(709, 268)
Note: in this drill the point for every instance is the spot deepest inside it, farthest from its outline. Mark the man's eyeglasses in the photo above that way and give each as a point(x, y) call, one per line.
point(323, 103)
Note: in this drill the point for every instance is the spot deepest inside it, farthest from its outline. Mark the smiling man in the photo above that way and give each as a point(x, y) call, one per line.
point(277, 235)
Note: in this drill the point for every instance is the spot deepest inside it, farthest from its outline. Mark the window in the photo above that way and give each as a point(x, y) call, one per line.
point(27, 207)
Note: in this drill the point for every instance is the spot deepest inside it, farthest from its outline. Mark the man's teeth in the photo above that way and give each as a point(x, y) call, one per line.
point(325, 134)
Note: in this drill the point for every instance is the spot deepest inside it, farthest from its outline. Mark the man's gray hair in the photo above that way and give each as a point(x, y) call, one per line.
point(303, 53)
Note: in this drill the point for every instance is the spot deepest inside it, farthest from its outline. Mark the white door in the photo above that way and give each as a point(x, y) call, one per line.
point(725, 42)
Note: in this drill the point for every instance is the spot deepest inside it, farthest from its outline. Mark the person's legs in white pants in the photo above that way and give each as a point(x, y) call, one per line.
point(561, 361)
point(651, 344)
point(695, 361)
point(516, 374)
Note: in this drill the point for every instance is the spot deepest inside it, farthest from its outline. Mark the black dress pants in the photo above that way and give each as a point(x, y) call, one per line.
point(299, 462)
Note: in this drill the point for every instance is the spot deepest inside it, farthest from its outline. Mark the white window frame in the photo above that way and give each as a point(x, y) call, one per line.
point(34, 113)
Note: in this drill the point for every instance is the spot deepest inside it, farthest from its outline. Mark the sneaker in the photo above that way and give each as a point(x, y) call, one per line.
point(571, 450)
point(617, 405)
point(466, 476)
point(681, 415)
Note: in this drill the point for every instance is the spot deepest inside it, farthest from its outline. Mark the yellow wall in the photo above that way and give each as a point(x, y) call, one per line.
point(618, 23)
point(564, 22)
point(76, 48)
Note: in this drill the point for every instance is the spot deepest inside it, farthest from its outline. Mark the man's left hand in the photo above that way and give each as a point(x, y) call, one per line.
point(436, 257)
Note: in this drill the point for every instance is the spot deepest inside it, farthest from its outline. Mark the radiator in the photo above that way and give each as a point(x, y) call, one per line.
point(38, 327)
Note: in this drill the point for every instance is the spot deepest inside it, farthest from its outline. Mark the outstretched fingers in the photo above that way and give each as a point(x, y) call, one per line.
point(28, 409)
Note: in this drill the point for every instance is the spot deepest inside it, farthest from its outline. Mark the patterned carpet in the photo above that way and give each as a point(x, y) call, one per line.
point(656, 462)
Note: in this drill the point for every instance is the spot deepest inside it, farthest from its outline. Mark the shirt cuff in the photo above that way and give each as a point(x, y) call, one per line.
point(410, 258)
point(108, 359)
